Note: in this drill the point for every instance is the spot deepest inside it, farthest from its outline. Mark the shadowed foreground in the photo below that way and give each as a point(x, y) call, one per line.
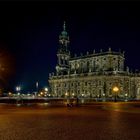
point(117, 121)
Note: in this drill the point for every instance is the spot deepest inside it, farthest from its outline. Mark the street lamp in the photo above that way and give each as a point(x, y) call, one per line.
point(126, 95)
point(46, 89)
point(67, 100)
point(82, 95)
point(42, 94)
point(18, 88)
point(73, 95)
point(103, 97)
point(115, 90)
point(66, 94)
point(9, 94)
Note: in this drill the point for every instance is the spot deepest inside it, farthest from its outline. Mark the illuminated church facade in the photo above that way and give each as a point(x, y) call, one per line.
point(94, 75)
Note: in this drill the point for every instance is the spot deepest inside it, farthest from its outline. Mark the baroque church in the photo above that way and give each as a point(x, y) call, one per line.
point(95, 75)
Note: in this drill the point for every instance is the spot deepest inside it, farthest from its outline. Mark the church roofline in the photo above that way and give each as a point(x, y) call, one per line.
point(97, 54)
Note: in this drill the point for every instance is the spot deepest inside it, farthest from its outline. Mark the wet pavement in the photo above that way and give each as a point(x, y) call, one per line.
point(100, 121)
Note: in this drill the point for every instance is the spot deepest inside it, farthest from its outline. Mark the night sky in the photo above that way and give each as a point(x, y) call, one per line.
point(29, 35)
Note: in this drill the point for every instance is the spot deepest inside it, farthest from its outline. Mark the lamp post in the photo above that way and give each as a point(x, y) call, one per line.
point(36, 93)
point(9, 95)
point(126, 95)
point(66, 96)
point(115, 90)
point(18, 88)
point(45, 91)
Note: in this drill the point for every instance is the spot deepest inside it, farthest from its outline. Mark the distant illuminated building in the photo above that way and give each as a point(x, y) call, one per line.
point(92, 75)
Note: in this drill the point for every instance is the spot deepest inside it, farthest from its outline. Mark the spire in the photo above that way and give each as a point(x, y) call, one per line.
point(63, 37)
point(64, 32)
point(64, 26)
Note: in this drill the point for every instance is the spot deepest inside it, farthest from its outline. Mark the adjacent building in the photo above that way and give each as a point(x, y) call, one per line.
point(94, 75)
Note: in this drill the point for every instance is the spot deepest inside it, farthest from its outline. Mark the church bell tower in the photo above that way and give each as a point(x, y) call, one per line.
point(63, 54)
